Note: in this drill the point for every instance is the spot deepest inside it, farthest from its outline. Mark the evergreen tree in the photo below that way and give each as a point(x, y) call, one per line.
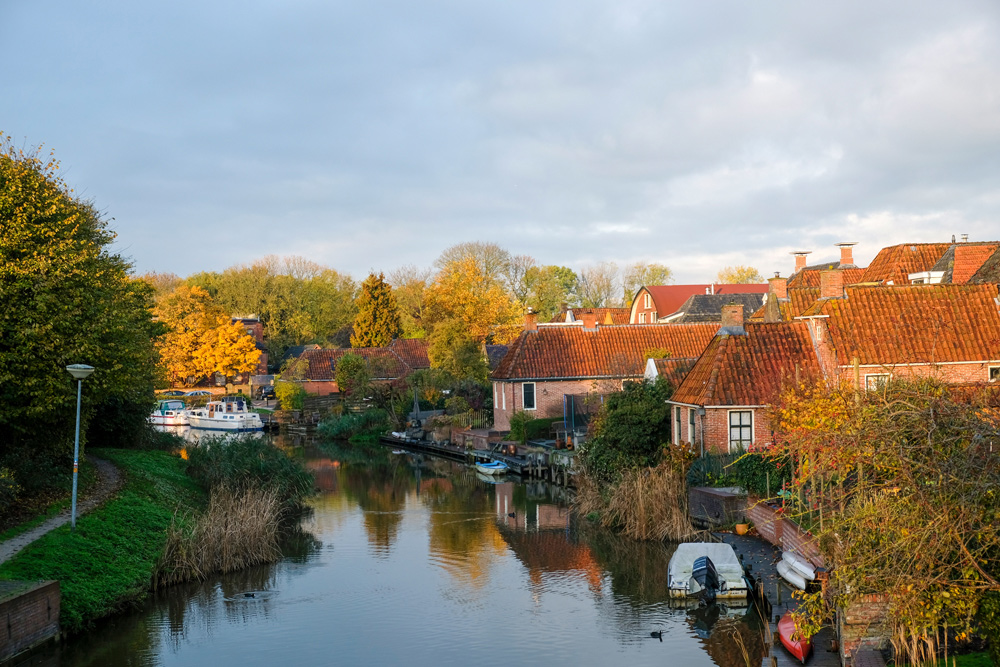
point(377, 321)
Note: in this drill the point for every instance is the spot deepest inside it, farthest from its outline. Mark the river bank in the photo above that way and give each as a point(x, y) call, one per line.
point(108, 563)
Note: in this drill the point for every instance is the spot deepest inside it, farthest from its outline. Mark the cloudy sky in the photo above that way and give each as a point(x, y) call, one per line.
point(372, 134)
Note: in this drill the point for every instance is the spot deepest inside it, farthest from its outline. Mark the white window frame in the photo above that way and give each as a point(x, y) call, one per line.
point(652, 317)
point(642, 318)
point(876, 381)
point(534, 396)
point(741, 443)
point(677, 424)
point(647, 300)
point(503, 397)
point(993, 374)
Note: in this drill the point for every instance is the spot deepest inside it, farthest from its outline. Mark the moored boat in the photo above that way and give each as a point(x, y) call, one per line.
point(225, 416)
point(492, 468)
point(799, 564)
point(169, 412)
point(728, 570)
point(801, 647)
point(791, 575)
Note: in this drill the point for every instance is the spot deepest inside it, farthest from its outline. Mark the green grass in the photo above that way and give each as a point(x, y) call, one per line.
point(107, 564)
point(968, 660)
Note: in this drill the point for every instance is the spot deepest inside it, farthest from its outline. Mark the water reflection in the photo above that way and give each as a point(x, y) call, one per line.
point(461, 568)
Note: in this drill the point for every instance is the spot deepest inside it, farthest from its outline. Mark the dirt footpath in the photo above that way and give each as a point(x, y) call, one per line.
point(109, 479)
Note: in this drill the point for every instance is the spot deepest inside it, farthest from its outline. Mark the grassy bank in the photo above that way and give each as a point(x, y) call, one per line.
point(110, 560)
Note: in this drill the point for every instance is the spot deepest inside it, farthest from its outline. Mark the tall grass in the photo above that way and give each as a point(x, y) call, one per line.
point(239, 529)
point(366, 425)
point(645, 504)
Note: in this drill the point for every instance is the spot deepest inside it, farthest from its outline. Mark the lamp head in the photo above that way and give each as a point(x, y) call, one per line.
point(80, 371)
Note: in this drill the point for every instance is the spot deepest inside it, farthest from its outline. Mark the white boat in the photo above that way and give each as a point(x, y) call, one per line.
point(791, 575)
point(169, 413)
point(727, 566)
point(225, 416)
point(799, 564)
point(492, 468)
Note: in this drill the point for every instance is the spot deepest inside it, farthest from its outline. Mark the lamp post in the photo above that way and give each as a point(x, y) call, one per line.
point(79, 371)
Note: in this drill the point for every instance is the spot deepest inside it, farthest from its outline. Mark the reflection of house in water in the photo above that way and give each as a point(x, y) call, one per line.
point(324, 471)
point(550, 552)
point(528, 516)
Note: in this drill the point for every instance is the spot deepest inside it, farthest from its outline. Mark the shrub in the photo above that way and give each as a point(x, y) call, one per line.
point(354, 425)
point(290, 395)
point(246, 463)
point(754, 470)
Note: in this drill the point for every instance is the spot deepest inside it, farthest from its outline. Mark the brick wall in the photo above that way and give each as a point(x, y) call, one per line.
point(783, 533)
point(320, 387)
point(640, 308)
point(508, 397)
point(862, 625)
point(714, 427)
point(29, 613)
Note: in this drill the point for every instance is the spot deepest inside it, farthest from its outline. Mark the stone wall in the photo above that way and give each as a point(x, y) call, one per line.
point(29, 611)
point(783, 533)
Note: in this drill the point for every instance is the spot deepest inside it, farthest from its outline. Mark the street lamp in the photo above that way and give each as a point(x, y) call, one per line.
point(79, 371)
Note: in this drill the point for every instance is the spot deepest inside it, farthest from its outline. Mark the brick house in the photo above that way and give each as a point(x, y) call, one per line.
point(721, 405)
point(863, 335)
point(548, 362)
point(393, 362)
point(255, 329)
point(653, 304)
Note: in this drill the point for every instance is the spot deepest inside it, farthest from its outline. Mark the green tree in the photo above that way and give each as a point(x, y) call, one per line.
point(549, 289)
point(629, 431)
point(353, 375)
point(408, 285)
point(66, 300)
point(739, 275)
point(641, 274)
point(377, 321)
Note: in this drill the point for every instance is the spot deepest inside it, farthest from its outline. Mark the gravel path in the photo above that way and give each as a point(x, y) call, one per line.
point(109, 480)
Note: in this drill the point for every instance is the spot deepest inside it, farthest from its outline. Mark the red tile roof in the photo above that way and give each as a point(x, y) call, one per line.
point(896, 262)
point(617, 315)
point(751, 369)
point(397, 360)
point(669, 298)
point(914, 324)
point(809, 276)
point(799, 300)
point(673, 370)
point(608, 352)
point(968, 260)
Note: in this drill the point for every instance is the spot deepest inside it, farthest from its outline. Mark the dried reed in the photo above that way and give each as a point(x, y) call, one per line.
point(650, 504)
point(238, 530)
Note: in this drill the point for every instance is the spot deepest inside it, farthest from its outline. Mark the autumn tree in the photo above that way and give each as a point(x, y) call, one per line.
point(408, 284)
point(899, 485)
point(377, 322)
point(739, 275)
point(642, 273)
point(464, 298)
point(66, 300)
point(491, 260)
point(201, 339)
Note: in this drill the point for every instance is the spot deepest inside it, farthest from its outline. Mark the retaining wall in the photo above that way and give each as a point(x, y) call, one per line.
point(29, 612)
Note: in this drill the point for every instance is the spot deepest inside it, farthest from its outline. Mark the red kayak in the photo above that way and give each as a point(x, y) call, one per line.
point(800, 648)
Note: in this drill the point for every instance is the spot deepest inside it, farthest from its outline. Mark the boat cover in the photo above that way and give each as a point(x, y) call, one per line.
point(727, 565)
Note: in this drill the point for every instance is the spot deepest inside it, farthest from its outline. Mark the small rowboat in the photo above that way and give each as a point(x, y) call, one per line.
point(791, 575)
point(800, 565)
point(800, 648)
point(492, 468)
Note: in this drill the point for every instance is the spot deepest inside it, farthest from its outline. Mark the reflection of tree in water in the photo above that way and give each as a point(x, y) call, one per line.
point(463, 534)
point(380, 490)
point(638, 569)
point(729, 636)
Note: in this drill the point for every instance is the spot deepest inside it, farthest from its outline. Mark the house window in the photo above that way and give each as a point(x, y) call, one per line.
point(503, 397)
point(647, 301)
point(740, 429)
point(691, 425)
point(642, 318)
point(528, 395)
point(994, 373)
point(876, 381)
point(677, 426)
point(652, 317)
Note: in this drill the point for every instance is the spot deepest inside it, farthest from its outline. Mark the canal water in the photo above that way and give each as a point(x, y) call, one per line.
point(411, 560)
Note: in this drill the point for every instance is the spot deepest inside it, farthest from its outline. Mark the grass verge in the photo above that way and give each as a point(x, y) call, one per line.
point(108, 563)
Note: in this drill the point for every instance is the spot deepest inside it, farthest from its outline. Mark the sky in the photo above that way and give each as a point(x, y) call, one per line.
point(371, 135)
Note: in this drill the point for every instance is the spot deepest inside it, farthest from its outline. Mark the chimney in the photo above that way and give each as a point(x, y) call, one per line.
point(800, 259)
point(831, 284)
point(531, 321)
point(846, 254)
point(732, 319)
point(569, 316)
point(778, 286)
point(589, 320)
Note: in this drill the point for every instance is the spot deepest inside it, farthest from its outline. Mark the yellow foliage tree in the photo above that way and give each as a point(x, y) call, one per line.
point(202, 340)
point(462, 291)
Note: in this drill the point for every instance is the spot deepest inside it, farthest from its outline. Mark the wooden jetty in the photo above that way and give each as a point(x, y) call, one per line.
point(537, 461)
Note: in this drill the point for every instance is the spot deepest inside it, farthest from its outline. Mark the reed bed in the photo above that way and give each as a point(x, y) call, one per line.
point(645, 504)
point(240, 528)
